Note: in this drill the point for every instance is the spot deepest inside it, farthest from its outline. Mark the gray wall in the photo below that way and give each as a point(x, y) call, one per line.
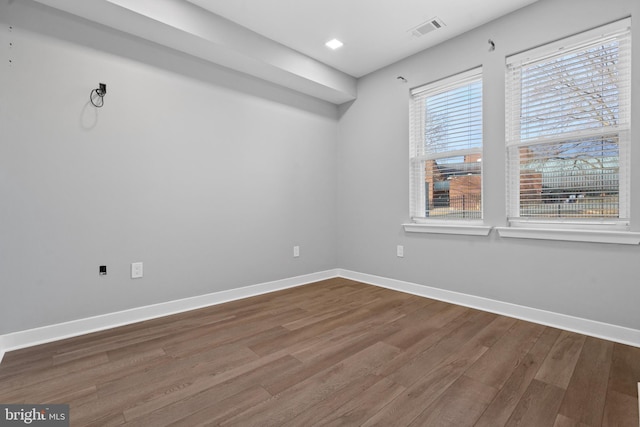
point(208, 177)
point(593, 281)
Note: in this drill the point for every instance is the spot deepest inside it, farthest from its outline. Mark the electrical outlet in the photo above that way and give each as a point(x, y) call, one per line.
point(296, 251)
point(102, 270)
point(400, 251)
point(136, 270)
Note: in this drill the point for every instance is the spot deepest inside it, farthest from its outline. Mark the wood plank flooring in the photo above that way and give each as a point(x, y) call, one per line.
point(333, 353)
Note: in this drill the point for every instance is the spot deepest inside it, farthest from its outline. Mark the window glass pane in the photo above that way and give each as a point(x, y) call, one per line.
point(454, 120)
point(453, 187)
point(573, 179)
point(573, 92)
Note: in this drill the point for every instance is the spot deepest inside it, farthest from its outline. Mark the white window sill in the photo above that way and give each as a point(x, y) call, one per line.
point(571, 235)
point(448, 228)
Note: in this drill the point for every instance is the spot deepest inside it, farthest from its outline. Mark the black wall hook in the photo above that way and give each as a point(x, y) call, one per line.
point(97, 95)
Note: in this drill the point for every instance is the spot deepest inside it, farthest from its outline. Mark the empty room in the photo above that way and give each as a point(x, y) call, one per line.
point(320, 213)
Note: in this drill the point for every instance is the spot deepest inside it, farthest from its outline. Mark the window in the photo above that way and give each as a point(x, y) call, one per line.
point(446, 148)
point(568, 130)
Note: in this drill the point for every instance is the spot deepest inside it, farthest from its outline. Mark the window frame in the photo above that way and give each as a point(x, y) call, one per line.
point(469, 226)
point(568, 228)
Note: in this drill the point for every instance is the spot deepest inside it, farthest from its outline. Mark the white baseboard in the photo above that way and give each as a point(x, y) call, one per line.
point(31, 337)
point(592, 328)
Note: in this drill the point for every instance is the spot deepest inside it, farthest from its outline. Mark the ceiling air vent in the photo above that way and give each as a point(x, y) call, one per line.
point(426, 27)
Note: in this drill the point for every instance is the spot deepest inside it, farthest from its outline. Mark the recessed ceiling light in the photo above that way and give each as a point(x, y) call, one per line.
point(333, 44)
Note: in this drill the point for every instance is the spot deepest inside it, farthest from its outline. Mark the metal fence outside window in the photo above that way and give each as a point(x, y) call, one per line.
point(467, 206)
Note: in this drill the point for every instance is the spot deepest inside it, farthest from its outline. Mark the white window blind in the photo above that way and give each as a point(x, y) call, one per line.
point(568, 129)
point(446, 148)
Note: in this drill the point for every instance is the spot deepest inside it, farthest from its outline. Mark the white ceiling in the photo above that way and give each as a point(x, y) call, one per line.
point(282, 41)
point(375, 33)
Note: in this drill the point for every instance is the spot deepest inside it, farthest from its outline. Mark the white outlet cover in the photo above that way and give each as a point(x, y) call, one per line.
point(400, 251)
point(136, 270)
point(296, 251)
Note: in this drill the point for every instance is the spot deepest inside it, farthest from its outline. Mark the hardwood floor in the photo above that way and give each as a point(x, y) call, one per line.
point(331, 353)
